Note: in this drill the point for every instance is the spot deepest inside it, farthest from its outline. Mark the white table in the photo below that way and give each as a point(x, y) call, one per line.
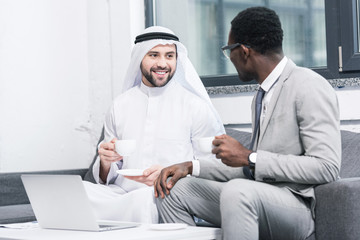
point(142, 232)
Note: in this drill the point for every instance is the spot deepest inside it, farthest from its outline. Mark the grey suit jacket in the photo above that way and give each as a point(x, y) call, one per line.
point(299, 143)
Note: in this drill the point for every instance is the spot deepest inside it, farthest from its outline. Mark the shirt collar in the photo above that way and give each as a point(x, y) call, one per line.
point(155, 91)
point(274, 75)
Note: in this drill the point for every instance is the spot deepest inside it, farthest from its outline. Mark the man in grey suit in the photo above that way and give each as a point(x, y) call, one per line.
point(267, 191)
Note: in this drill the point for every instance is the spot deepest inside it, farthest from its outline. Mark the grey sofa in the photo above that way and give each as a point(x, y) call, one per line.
point(337, 209)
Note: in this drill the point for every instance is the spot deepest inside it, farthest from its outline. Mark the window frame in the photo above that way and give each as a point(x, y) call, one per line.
point(342, 59)
point(349, 35)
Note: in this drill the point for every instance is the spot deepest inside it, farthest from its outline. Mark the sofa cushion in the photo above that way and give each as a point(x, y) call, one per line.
point(16, 213)
point(243, 137)
point(337, 210)
point(12, 190)
point(350, 165)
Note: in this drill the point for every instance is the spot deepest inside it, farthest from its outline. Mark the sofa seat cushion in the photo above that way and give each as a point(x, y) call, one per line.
point(337, 210)
point(243, 137)
point(350, 154)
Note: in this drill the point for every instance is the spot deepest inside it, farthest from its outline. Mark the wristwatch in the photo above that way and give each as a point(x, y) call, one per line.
point(252, 160)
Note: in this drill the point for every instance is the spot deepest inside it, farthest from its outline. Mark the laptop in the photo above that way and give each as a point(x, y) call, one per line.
point(61, 202)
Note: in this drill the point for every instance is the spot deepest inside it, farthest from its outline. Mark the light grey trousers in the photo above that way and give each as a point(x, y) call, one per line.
point(244, 209)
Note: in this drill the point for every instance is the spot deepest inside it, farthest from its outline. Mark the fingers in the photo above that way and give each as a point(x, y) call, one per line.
point(158, 189)
point(153, 169)
point(109, 155)
point(107, 152)
point(149, 178)
point(223, 144)
point(108, 146)
point(217, 150)
point(141, 179)
point(163, 184)
point(223, 136)
point(156, 185)
point(219, 140)
point(172, 181)
point(135, 178)
point(160, 183)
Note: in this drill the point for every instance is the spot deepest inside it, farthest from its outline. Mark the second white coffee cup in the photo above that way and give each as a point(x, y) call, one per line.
point(205, 144)
point(125, 147)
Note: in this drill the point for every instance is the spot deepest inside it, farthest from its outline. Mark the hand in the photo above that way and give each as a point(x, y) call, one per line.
point(230, 151)
point(149, 176)
point(107, 156)
point(177, 171)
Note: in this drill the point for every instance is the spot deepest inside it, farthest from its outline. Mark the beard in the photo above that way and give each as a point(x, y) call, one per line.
point(153, 81)
point(246, 76)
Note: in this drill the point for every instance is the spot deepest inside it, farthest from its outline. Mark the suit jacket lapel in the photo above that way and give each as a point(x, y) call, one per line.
point(283, 77)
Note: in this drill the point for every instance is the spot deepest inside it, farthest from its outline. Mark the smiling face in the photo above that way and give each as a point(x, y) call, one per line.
point(159, 65)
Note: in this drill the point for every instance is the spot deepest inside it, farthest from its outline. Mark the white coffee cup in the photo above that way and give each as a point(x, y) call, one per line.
point(125, 147)
point(205, 144)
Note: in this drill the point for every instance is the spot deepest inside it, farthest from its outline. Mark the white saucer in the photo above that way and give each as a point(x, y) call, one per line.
point(168, 226)
point(130, 172)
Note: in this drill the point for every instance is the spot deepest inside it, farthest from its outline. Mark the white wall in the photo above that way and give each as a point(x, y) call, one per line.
point(225, 104)
point(61, 64)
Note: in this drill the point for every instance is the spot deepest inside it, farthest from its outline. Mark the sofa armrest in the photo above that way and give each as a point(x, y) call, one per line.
point(89, 174)
point(16, 214)
point(337, 212)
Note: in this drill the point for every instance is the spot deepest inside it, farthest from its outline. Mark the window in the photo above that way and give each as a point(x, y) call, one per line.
point(349, 25)
point(312, 35)
point(342, 38)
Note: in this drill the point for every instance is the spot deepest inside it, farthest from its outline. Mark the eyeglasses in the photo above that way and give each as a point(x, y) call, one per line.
point(227, 49)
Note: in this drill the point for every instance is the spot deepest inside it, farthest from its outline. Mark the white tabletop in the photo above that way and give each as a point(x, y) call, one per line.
point(142, 232)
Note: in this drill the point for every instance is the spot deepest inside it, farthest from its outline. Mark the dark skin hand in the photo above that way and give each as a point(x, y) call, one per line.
point(229, 150)
point(176, 171)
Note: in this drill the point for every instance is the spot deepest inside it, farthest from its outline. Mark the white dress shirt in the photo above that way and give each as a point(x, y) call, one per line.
point(268, 86)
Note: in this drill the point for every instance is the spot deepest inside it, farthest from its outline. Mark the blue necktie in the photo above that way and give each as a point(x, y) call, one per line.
point(258, 105)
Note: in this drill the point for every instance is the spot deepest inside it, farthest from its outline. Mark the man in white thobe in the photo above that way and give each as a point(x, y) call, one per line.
point(165, 108)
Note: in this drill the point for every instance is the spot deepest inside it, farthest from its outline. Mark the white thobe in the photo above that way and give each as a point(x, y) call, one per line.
point(165, 122)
